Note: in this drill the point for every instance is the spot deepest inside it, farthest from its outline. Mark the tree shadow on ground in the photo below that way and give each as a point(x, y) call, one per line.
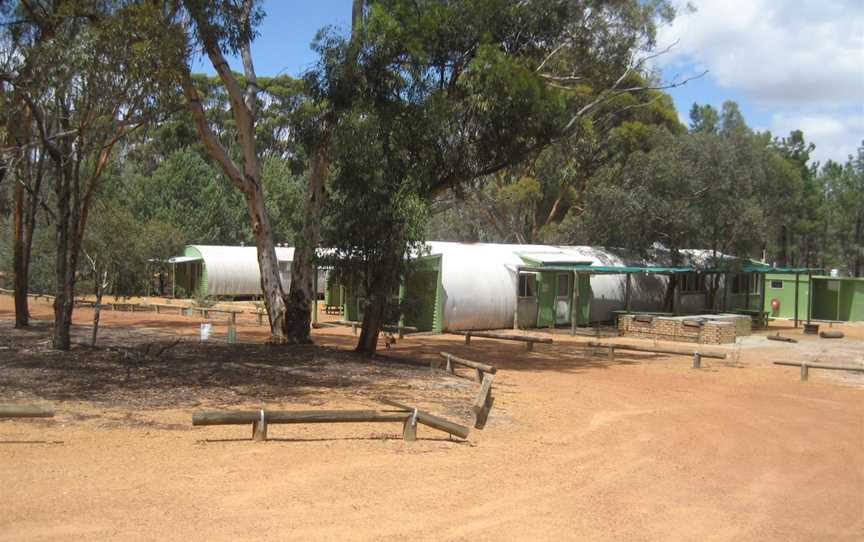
point(149, 371)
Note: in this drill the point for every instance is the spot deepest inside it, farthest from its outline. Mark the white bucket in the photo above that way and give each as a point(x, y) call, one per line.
point(205, 331)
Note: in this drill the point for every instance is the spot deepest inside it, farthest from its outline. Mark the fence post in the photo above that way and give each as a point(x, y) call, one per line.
point(611, 353)
point(697, 360)
point(468, 337)
point(804, 371)
point(259, 428)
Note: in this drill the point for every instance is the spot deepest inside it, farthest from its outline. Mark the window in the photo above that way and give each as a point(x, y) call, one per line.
point(692, 282)
point(743, 283)
point(527, 285)
point(776, 284)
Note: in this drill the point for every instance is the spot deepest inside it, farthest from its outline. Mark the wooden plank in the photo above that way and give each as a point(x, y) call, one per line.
point(486, 368)
point(637, 348)
point(432, 421)
point(26, 411)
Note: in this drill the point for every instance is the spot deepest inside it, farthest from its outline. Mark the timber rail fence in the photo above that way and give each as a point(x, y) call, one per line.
point(260, 419)
point(697, 354)
point(25, 411)
point(805, 367)
point(529, 340)
point(483, 373)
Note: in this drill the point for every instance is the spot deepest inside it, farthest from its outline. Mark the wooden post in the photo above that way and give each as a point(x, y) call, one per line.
point(468, 338)
point(762, 299)
point(354, 328)
point(809, 296)
point(747, 294)
point(628, 288)
point(611, 353)
point(804, 371)
point(529, 346)
point(409, 427)
point(516, 308)
point(574, 305)
point(676, 295)
point(483, 403)
point(157, 309)
point(449, 366)
point(478, 374)
point(232, 333)
point(797, 275)
point(25, 411)
point(726, 287)
point(314, 294)
point(697, 360)
point(259, 428)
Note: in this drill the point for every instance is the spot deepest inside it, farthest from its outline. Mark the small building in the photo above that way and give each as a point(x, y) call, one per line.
point(223, 271)
point(832, 298)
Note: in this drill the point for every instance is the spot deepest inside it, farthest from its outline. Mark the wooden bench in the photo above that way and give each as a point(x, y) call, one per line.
point(529, 340)
point(805, 367)
point(205, 312)
point(697, 354)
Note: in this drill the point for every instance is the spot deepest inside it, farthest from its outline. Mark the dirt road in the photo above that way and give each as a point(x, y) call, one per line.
point(576, 448)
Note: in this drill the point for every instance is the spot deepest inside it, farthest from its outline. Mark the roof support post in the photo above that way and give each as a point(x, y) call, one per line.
point(628, 291)
point(747, 292)
point(809, 296)
point(314, 294)
point(726, 287)
point(762, 299)
point(795, 318)
point(574, 304)
point(676, 294)
point(516, 305)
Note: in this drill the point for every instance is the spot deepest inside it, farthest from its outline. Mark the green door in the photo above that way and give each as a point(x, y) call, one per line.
point(563, 297)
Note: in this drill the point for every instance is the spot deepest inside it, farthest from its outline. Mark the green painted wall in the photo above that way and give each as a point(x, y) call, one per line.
point(424, 297)
point(785, 295)
point(191, 276)
point(846, 302)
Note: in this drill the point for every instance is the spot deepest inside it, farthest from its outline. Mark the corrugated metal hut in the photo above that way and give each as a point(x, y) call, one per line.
point(221, 271)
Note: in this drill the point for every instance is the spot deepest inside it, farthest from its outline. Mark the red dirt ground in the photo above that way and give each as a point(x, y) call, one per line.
point(577, 447)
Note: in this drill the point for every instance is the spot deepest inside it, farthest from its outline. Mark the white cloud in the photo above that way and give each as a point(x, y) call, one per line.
point(801, 63)
point(836, 137)
point(783, 53)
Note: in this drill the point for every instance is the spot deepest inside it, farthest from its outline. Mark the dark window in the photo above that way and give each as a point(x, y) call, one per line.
point(743, 283)
point(777, 284)
point(527, 285)
point(692, 282)
point(563, 285)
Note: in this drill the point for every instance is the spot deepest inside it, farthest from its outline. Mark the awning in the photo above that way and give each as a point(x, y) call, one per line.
point(553, 259)
point(185, 259)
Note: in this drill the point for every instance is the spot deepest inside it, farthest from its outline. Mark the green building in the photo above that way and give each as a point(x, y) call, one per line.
point(832, 298)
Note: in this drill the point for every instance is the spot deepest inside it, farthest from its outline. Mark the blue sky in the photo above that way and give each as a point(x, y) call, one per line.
point(788, 64)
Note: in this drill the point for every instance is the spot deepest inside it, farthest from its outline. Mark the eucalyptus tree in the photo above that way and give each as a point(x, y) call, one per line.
point(81, 81)
point(445, 93)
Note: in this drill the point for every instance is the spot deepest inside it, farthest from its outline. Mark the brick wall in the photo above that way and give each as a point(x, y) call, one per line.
point(721, 329)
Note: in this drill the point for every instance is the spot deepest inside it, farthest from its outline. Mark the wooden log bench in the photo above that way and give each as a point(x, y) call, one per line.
point(805, 367)
point(529, 340)
point(25, 411)
point(260, 419)
point(159, 307)
point(450, 361)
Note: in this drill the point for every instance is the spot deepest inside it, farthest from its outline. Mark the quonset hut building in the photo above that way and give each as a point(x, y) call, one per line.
point(462, 286)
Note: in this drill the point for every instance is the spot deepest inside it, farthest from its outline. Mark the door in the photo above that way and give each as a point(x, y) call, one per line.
point(563, 295)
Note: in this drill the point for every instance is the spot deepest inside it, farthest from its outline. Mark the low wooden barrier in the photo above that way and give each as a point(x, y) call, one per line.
point(805, 367)
point(400, 330)
point(483, 404)
point(697, 354)
point(408, 416)
point(529, 340)
point(205, 312)
point(450, 360)
point(25, 411)
point(159, 307)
